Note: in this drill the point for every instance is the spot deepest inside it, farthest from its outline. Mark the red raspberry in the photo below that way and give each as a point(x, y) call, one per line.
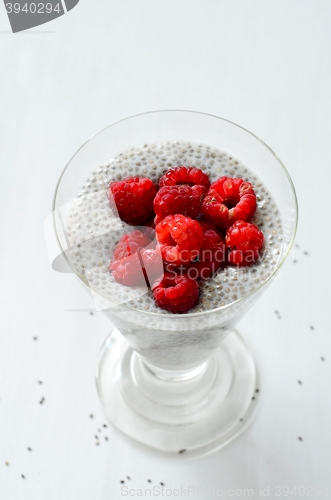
point(175, 293)
point(179, 239)
point(133, 263)
point(130, 243)
point(133, 198)
point(212, 254)
point(185, 175)
point(141, 268)
point(128, 271)
point(178, 200)
point(244, 240)
point(229, 200)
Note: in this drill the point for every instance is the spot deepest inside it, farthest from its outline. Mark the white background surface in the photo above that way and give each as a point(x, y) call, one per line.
point(263, 64)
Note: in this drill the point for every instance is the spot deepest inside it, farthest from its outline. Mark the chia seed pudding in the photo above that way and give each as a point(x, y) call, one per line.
point(93, 230)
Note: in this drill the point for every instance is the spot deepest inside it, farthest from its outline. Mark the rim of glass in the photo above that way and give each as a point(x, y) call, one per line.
point(217, 309)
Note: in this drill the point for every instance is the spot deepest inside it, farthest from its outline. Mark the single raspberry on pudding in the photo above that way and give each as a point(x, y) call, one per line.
point(130, 243)
point(135, 260)
point(227, 201)
point(212, 255)
point(133, 198)
point(141, 268)
point(244, 241)
point(175, 293)
point(179, 239)
point(127, 271)
point(183, 200)
point(185, 175)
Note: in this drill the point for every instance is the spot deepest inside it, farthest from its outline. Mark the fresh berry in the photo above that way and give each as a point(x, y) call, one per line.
point(185, 175)
point(212, 254)
point(133, 198)
point(175, 293)
point(141, 268)
point(135, 259)
point(127, 271)
point(244, 241)
point(179, 239)
point(183, 200)
point(227, 201)
point(130, 243)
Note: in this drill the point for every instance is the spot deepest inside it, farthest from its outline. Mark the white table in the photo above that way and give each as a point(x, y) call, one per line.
point(261, 63)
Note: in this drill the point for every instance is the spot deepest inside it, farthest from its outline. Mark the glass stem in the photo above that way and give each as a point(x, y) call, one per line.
point(176, 376)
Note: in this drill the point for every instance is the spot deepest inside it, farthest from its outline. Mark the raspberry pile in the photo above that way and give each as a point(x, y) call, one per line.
point(244, 241)
point(133, 199)
point(190, 230)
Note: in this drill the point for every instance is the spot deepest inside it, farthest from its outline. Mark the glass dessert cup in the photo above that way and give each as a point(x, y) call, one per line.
point(180, 383)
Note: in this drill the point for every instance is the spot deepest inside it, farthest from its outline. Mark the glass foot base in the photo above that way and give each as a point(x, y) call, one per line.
point(193, 416)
